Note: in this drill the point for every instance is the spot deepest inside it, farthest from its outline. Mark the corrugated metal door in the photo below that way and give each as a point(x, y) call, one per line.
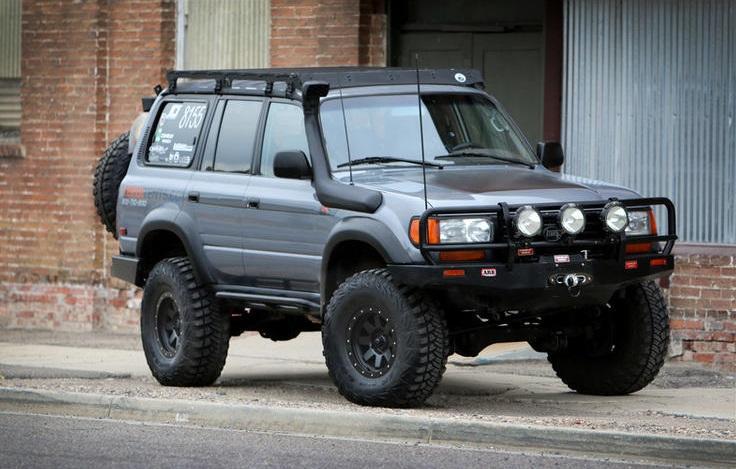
point(223, 34)
point(10, 64)
point(649, 101)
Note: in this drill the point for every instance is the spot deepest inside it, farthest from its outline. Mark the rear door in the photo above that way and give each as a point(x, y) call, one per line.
point(216, 193)
point(286, 229)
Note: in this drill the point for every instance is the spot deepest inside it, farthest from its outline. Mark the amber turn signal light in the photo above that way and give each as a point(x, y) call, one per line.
point(464, 256)
point(433, 231)
point(449, 273)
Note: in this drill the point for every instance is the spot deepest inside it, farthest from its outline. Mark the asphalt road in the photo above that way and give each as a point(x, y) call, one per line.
point(68, 442)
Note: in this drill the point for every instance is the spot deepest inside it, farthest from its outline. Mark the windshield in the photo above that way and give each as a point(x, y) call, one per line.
point(458, 129)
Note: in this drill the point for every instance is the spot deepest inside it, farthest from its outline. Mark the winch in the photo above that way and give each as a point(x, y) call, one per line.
point(574, 281)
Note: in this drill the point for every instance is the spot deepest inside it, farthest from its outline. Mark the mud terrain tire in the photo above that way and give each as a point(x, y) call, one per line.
point(368, 312)
point(109, 173)
point(197, 353)
point(640, 336)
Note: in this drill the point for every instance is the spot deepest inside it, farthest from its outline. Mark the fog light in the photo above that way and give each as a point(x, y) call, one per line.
point(572, 219)
point(615, 217)
point(528, 221)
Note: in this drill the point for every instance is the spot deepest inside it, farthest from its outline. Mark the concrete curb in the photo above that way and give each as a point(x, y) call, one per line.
point(371, 424)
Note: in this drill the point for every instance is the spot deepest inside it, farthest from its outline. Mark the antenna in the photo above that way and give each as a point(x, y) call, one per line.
point(421, 131)
point(345, 127)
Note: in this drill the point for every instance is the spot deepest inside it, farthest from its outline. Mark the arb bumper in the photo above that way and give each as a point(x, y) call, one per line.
point(538, 285)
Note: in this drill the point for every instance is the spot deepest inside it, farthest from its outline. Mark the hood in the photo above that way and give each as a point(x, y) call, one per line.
point(487, 185)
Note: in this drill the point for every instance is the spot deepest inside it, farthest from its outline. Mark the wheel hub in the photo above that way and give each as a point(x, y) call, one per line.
point(371, 342)
point(168, 325)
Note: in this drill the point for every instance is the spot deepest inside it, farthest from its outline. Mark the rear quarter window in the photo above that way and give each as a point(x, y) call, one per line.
point(176, 134)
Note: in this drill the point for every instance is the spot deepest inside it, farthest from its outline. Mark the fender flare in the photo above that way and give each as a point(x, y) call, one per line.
point(366, 230)
point(171, 219)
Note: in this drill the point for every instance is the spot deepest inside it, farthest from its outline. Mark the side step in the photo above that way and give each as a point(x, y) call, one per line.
point(290, 300)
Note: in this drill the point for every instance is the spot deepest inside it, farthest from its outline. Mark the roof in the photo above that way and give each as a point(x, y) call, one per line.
point(288, 81)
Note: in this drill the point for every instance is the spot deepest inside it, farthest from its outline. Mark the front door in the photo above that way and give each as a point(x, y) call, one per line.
point(286, 228)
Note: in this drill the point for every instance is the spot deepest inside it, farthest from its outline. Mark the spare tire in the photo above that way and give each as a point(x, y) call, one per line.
point(110, 171)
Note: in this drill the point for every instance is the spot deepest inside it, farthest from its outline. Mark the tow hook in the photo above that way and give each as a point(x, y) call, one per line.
point(573, 281)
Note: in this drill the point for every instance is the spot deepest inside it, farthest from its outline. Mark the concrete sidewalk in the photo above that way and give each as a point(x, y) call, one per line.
point(507, 384)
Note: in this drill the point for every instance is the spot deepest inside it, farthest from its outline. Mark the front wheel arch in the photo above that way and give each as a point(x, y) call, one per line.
point(372, 242)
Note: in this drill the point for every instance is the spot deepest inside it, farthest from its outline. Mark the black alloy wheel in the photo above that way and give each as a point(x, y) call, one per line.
point(168, 324)
point(372, 342)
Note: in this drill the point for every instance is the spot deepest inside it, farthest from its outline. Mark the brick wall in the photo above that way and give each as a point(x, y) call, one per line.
point(327, 33)
point(68, 306)
point(702, 301)
point(85, 66)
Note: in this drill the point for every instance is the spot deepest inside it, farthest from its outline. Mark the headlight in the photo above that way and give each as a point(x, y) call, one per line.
point(528, 221)
point(465, 230)
point(615, 217)
point(572, 219)
point(639, 223)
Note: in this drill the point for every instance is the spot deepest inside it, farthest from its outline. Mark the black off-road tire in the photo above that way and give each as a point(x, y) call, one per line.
point(417, 325)
point(109, 173)
point(204, 332)
point(640, 337)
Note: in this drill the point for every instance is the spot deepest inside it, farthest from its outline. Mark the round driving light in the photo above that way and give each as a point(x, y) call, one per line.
point(572, 219)
point(615, 217)
point(528, 221)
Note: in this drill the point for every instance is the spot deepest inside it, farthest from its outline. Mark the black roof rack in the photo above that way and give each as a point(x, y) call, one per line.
point(292, 79)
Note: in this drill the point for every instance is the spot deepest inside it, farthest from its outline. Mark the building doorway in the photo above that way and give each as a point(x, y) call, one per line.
point(504, 40)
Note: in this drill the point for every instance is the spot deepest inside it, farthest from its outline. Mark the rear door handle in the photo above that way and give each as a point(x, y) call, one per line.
point(193, 196)
point(252, 203)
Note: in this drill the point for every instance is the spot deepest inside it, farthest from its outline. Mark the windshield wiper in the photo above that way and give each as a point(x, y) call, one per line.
point(387, 159)
point(484, 154)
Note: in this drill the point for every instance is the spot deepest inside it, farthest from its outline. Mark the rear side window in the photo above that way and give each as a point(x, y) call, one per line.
point(235, 144)
point(177, 131)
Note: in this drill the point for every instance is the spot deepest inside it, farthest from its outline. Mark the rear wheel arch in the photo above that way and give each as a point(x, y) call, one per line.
point(159, 240)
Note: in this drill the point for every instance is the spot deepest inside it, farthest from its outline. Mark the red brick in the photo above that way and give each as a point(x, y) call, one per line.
point(704, 357)
point(686, 324)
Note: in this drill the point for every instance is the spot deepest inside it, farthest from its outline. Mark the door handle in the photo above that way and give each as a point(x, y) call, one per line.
point(252, 203)
point(193, 196)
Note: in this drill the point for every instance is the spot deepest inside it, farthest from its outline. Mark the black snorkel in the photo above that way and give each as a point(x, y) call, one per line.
point(330, 193)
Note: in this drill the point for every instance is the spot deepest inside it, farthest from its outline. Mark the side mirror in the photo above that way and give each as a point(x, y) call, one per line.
point(551, 155)
point(291, 165)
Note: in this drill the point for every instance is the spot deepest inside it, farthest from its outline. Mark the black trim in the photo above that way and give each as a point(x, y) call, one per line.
point(125, 268)
point(269, 296)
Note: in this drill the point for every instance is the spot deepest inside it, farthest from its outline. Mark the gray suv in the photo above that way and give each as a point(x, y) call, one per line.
point(399, 211)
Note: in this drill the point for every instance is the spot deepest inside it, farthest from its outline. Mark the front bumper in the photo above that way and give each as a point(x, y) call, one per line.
point(534, 285)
